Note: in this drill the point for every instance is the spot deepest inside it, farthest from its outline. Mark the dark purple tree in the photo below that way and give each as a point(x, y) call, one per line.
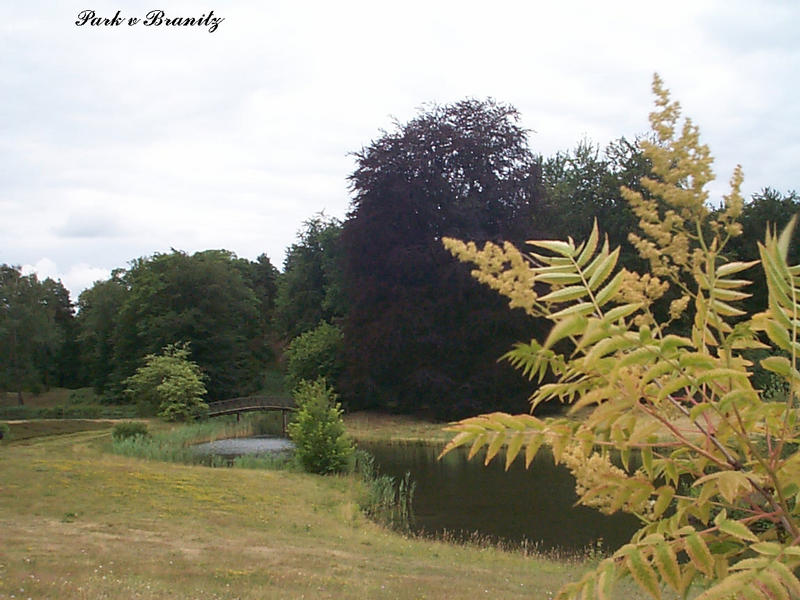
point(421, 335)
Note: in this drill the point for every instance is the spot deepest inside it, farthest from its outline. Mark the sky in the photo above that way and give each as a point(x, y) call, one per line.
point(121, 141)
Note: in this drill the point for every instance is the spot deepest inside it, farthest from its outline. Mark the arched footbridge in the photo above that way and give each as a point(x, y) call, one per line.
point(252, 403)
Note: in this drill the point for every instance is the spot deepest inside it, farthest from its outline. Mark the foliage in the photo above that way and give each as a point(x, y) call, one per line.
point(170, 383)
point(321, 444)
point(583, 185)
point(128, 429)
point(84, 411)
point(30, 335)
point(5, 431)
point(98, 307)
point(176, 444)
point(767, 207)
point(387, 500)
point(718, 486)
point(203, 299)
point(313, 354)
point(460, 170)
point(310, 290)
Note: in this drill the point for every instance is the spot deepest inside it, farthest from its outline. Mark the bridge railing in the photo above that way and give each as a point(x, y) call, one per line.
point(251, 402)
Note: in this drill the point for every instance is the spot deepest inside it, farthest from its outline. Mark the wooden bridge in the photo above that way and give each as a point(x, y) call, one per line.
point(251, 403)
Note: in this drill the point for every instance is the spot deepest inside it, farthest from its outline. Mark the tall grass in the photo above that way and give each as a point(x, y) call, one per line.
point(176, 444)
point(272, 461)
point(386, 500)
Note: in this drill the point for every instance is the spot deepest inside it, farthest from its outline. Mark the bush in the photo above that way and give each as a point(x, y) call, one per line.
point(717, 486)
point(129, 429)
point(88, 411)
point(171, 382)
point(321, 444)
point(315, 353)
point(5, 431)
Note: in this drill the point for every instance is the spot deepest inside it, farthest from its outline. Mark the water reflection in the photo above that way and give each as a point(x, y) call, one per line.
point(458, 495)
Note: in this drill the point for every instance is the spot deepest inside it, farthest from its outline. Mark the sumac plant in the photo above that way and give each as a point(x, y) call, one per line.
point(657, 364)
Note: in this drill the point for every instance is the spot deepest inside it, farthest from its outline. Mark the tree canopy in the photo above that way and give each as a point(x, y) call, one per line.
point(35, 324)
point(218, 303)
point(310, 290)
point(461, 169)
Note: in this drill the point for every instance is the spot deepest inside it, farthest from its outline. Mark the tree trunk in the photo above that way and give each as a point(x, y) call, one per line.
point(19, 398)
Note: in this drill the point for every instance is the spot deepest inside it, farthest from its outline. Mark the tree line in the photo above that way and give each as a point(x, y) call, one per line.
point(372, 302)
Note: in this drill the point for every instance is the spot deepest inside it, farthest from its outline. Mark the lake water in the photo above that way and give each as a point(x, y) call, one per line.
point(462, 497)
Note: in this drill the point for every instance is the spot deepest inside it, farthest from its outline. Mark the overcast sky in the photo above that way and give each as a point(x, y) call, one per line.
point(121, 141)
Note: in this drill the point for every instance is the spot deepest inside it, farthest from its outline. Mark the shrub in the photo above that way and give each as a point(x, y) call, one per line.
point(171, 382)
point(321, 444)
point(5, 431)
point(717, 489)
point(129, 429)
point(313, 354)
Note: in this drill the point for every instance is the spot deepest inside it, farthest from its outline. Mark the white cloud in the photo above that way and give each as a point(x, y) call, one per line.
point(44, 268)
point(76, 279)
point(118, 143)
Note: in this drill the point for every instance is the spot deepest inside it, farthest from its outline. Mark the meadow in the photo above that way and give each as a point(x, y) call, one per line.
point(80, 522)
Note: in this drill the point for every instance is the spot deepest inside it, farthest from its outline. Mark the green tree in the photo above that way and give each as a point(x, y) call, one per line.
point(717, 490)
point(310, 289)
point(314, 354)
point(766, 208)
point(321, 443)
point(203, 299)
point(261, 276)
point(98, 308)
point(61, 366)
point(583, 185)
point(29, 334)
point(169, 384)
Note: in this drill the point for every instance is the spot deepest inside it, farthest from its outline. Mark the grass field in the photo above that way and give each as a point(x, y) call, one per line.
point(78, 522)
point(372, 427)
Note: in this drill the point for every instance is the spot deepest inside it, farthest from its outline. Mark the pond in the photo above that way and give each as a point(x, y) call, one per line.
point(463, 497)
point(231, 448)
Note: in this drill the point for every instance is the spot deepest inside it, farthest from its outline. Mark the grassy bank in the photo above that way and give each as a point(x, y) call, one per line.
point(79, 522)
point(377, 427)
point(61, 403)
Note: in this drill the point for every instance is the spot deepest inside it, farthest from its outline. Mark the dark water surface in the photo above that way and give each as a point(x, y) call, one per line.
point(461, 497)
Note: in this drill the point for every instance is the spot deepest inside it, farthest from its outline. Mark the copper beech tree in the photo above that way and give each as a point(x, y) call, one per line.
point(716, 480)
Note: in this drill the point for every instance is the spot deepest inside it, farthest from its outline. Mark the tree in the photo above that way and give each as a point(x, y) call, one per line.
point(583, 185)
point(98, 307)
point(61, 366)
point(28, 330)
point(717, 489)
point(202, 299)
point(261, 276)
point(314, 354)
point(169, 384)
point(321, 443)
point(462, 169)
point(310, 289)
point(769, 207)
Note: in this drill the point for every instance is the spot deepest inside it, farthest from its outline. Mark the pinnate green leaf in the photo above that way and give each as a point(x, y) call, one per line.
point(570, 326)
point(734, 267)
point(699, 553)
point(556, 246)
